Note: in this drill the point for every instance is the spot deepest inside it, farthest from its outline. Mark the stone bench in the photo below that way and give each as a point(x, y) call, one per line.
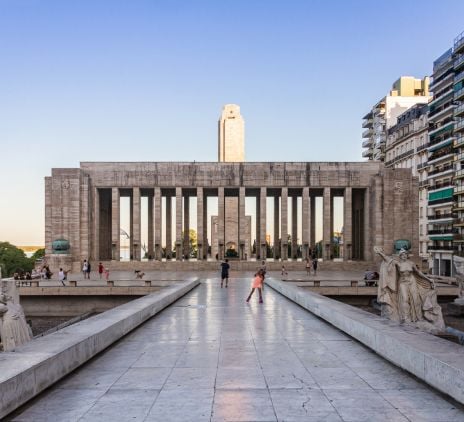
point(438, 362)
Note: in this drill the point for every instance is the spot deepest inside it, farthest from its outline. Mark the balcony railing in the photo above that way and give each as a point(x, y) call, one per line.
point(458, 62)
point(459, 94)
point(440, 185)
point(459, 141)
point(367, 133)
point(459, 125)
point(422, 166)
point(424, 183)
point(422, 147)
point(458, 190)
point(444, 231)
point(459, 42)
point(440, 170)
point(367, 123)
point(440, 248)
point(440, 201)
point(441, 216)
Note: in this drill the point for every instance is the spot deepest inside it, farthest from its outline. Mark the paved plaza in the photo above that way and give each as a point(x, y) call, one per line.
point(212, 357)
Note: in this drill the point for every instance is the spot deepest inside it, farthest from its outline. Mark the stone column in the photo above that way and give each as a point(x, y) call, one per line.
point(284, 224)
point(221, 223)
point(262, 222)
point(168, 227)
point(367, 249)
point(305, 216)
point(205, 227)
point(186, 227)
point(312, 223)
point(151, 233)
point(294, 226)
point(178, 224)
point(136, 223)
point(200, 238)
point(96, 244)
point(327, 228)
point(241, 223)
point(158, 224)
point(276, 228)
point(115, 225)
point(347, 224)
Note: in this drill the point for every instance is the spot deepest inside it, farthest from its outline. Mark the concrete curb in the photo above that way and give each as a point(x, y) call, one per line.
point(435, 361)
point(38, 364)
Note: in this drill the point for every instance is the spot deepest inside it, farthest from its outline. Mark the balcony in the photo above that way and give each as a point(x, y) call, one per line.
point(458, 174)
point(422, 166)
point(459, 141)
point(422, 147)
point(459, 190)
point(459, 43)
point(440, 201)
point(459, 77)
point(423, 184)
point(459, 94)
point(441, 97)
point(448, 216)
point(459, 62)
point(459, 110)
point(441, 110)
point(458, 206)
point(458, 222)
point(367, 133)
point(442, 231)
point(368, 153)
point(459, 126)
point(368, 123)
point(440, 248)
point(367, 143)
point(440, 185)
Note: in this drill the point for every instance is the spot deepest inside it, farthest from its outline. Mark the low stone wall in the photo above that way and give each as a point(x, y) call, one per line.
point(438, 362)
point(35, 366)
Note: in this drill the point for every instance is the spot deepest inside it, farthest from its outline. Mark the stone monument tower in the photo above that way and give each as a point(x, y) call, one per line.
point(231, 140)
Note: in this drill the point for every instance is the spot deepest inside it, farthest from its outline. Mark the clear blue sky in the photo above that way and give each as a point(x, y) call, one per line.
point(146, 80)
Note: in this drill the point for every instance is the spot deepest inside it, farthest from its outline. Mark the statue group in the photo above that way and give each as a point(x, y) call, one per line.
point(14, 330)
point(406, 295)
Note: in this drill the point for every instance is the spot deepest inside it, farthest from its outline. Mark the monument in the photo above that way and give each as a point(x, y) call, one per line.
point(231, 139)
point(406, 295)
point(14, 330)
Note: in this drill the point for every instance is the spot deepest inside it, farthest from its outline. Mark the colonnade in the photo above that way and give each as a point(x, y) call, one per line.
point(107, 221)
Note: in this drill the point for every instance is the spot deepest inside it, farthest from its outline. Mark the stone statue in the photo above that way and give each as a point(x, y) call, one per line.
point(14, 330)
point(406, 294)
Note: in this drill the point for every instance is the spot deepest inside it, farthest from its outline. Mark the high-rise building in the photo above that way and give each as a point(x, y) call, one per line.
point(231, 139)
point(406, 92)
point(406, 147)
point(441, 165)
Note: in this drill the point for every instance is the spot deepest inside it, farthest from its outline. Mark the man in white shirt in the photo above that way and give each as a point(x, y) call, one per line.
point(62, 276)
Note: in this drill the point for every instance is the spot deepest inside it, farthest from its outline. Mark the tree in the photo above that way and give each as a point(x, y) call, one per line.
point(38, 254)
point(13, 260)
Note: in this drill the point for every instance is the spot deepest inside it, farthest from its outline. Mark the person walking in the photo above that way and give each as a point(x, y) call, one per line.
point(225, 272)
point(85, 267)
point(257, 283)
point(88, 270)
point(284, 271)
point(62, 276)
point(315, 265)
point(100, 270)
point(308, 267)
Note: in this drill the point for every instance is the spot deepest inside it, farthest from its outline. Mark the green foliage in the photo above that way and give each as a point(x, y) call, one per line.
point(13, 260)
point(38, 254)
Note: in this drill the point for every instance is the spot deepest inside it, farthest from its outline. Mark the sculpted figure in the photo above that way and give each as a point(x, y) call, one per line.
point(14, 330)
point(406, 294)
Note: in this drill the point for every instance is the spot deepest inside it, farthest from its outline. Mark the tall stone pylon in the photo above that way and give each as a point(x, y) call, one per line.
point(231, 142)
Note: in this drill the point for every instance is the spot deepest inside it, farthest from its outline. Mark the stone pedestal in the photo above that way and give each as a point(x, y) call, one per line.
point(65, 261)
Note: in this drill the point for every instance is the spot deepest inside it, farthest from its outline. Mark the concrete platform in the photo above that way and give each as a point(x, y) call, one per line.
point(438, 362)
point(38, 364)
point(212, 357)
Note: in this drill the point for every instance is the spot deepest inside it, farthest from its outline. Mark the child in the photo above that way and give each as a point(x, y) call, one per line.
point(308, 267)
point(100, 270)
point(107, 273)
point(257, 284)
point(284, 271)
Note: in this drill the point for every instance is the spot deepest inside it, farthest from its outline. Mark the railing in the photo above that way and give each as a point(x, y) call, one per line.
point(422, 147)
point(440, 170)
point(367, 133)
point(459, 41)
point(449, 230)
point(459, 125)
point(439, 140)
point(459, 61)
point(367, 144)
point(441, 216)
point(459, 109)
point(459, 141)
point(459, 93)
point(440, 185)
point(424, 183)
point(440, 248)
point(422, 165)
point(440, 109)
point(458, 77)
point(458, 190)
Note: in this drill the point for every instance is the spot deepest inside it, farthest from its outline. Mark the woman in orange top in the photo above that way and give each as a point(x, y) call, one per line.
point(257, 283)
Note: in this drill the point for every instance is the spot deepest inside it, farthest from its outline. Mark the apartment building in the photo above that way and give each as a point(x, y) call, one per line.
point(406, 92)
point(406, 147)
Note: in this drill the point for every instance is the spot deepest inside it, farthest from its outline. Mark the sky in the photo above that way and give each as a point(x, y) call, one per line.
point(145, 80)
